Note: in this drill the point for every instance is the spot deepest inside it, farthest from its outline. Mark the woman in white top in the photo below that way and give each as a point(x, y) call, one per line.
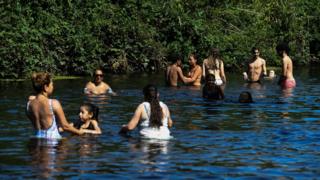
point(152, 115)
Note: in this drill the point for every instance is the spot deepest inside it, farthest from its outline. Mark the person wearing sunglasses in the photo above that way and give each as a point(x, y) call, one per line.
point(98, 86)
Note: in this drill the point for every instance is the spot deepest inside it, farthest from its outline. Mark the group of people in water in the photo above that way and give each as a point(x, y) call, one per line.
point(152, 115)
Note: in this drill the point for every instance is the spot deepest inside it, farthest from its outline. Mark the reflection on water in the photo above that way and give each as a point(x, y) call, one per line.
point(46, 156)
point(151, 151)
point(276, 137)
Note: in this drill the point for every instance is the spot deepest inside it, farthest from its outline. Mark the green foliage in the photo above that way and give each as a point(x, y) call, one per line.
point(74, 37)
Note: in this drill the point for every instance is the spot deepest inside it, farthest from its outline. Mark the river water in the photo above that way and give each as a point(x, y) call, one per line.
point(277, 136)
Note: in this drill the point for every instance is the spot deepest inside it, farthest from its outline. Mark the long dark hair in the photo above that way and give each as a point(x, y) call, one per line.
point(91, 108)
point(151, 95)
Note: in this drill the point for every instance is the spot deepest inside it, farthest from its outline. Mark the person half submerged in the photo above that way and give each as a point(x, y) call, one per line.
point(152, 115)
point(245, 97)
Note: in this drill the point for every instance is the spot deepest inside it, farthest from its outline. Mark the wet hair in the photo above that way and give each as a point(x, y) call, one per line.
point(253, 49)
point(194, 55)
point(245, 97)
point(151, 95)
point(91, 108)
point(214, 61)
point(283, 47)
point(174, 57)
point(39, 80)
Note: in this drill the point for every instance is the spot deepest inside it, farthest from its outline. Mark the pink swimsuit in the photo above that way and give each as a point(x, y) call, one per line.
point(288, 83)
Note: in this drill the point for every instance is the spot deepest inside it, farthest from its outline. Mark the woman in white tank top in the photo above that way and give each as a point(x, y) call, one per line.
point(152, 115)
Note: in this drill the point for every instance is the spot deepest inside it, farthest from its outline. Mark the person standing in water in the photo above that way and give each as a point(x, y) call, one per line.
point(195, 71)
point(256, 68)
point(152, 115)
point(88, 119)
point(45, 113)
point(286, 80)
point(174, 71)
point(98, 86)
point(214, 65)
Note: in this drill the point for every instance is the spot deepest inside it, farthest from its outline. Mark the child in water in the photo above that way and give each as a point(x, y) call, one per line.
point(88, 121)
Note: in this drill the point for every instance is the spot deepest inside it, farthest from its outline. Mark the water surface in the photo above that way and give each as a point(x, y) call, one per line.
point(278, 136)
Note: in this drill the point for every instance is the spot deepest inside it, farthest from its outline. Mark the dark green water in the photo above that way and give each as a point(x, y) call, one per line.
point(278, 136)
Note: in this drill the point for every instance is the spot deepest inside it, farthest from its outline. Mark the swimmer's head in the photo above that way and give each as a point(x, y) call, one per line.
point(98, 75)
point(282, 48)
point(192, 59)
point(271, 74)
point(245, 97)
point(150, 92)
point(88, 111)
point(175, 58)
point(255, 51)
point(215, 52)
point(40, 80)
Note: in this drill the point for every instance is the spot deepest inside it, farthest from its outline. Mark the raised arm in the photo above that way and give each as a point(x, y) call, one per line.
point(58, 111)
point(134, 120)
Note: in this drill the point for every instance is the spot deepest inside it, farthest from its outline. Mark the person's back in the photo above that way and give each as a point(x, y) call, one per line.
point(286, 79)
point(42, 111)
point(214, 65)
point(174, 71)
point(161, 132)
point(152, 115)
point(39, 110)
point(172, 75)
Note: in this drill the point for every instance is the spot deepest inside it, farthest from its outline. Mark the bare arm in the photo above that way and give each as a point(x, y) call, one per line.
point(169, 119)
point(195, 75)
point(284, 68)
point(264, 67)
point(222, 74)
point(182, 77)
point(58, 111)
point(204, 68)
point(134, 120)
point(96, 127)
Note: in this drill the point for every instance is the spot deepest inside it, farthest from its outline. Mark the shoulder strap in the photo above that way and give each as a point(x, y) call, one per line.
point(146, 109)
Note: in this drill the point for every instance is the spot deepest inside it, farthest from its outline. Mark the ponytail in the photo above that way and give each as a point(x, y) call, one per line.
point(151, 95)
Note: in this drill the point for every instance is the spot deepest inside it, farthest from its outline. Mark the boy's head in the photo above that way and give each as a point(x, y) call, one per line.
point(245, 97)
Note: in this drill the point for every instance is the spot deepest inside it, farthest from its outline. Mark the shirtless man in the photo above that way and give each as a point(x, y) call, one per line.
point(286, 79)
point(255, 68)
point(195, 72)
point(98, 87)
point(174, 71)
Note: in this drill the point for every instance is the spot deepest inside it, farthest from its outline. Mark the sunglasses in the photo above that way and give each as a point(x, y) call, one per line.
point(98, 75)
